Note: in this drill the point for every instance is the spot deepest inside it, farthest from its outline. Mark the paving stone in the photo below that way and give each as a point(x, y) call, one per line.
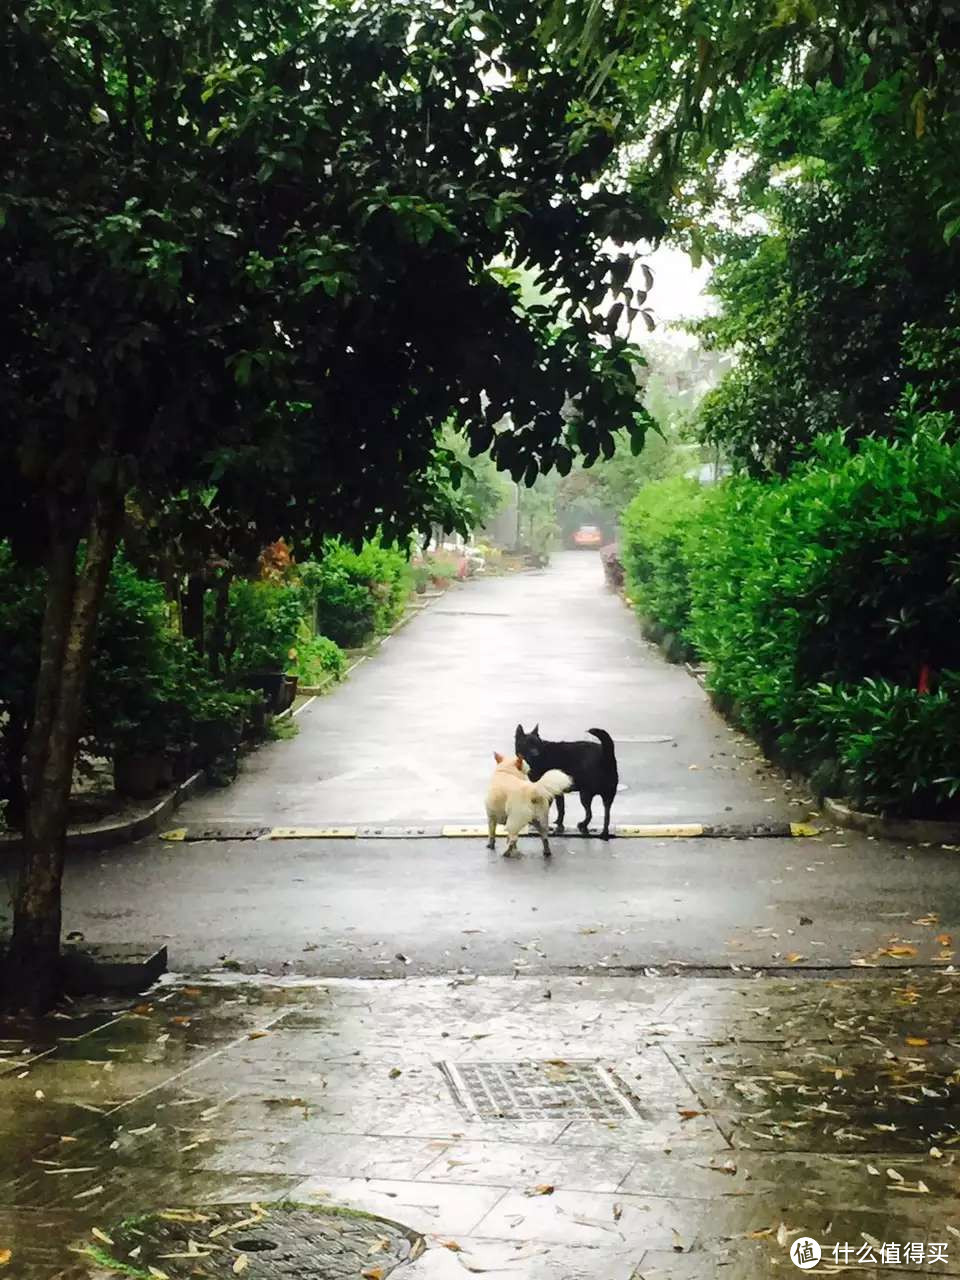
point(513, 1164)
point(631, 1223)
point(529, 1260)
point(427, 1207)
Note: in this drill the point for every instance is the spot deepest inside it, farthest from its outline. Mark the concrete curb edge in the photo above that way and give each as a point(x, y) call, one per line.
point(920, 830)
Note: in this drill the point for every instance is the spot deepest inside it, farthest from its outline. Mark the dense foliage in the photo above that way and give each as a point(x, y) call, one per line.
point(850, 260)
point(822, 604)
point(353, 595)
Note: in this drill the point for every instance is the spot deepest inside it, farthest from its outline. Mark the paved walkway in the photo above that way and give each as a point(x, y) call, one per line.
point(560, 1129)
point(411, 735)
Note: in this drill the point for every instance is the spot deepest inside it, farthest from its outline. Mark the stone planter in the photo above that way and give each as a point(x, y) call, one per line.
point(139, 775)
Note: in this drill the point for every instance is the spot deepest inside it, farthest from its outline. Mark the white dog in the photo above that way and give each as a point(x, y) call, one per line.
point(514, 801)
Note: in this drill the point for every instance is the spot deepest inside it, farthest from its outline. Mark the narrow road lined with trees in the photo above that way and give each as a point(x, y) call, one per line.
point(409, 738)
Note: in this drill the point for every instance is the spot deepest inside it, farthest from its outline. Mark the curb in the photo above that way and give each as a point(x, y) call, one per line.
point(920, 830)
point(107, 835)
point(453, 831)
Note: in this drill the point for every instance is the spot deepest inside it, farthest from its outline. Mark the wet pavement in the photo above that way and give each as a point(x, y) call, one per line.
point(409, 738)
point(411, 735)
point(553, 1128)
point(643, 1060)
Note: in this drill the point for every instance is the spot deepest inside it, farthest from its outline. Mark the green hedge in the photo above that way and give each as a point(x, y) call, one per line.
point(655, 532)
point(355, 595)
point(815, 602)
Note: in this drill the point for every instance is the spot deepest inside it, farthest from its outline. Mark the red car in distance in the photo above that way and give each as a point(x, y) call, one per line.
point(588, 535)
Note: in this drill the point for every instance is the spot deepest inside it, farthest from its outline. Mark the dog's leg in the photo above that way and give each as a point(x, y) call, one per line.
point(606, 818)
point(491, 830)
point(561, 809)
point(586, 799)
point(541, 827)
point(512, 832)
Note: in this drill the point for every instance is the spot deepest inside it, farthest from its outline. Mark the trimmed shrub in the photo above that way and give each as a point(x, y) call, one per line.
point(656, 528)
point(318, 658)
point(263, 620)
point(817, 601)
point(355, 595)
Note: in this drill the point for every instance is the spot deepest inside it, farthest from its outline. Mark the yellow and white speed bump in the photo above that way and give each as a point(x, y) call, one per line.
point(477, 831)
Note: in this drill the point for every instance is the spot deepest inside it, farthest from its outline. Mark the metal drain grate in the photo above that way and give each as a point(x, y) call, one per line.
point(532, 1090)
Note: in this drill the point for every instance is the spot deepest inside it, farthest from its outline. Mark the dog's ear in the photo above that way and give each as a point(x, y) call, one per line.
point(535, 731)
point(498, 757)
point(519, 731)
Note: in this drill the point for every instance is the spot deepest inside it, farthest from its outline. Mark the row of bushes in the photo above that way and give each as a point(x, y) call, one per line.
point(155, 694)
point(826, 607)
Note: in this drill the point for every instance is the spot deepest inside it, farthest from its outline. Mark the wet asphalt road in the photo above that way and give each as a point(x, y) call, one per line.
point(409, 737)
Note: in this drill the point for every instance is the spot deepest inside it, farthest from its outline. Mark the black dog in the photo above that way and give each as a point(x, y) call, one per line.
point(592, 765)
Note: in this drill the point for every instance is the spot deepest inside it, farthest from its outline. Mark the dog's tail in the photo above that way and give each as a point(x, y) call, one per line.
point(553, 783)
point(606, 742)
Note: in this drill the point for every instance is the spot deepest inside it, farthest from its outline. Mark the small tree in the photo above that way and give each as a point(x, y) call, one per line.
point(250, 245)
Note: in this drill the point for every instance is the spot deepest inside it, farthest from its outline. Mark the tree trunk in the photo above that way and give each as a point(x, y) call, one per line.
point(217, 656)
point(192, 611)
point(32, 970)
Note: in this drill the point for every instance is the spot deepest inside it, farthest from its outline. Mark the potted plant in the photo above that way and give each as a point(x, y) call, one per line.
point(263, 621)
point(141, 763)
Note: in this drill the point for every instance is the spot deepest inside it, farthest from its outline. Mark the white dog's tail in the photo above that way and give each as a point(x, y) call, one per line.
point(553, 783)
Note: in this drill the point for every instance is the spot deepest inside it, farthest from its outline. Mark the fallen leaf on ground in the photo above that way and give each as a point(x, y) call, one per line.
point(180, 1021)
point(899, 949)
point(100, 1235)
point(451, 1245)
point(372, 1273)
point(544, 1189)
point(793, 957)
point(917, 1041)
point(394, 1072)
point(945, 939)
point(241, 1264)
point(257, 1035)
point(617, 1211)
point(894, 1175)
point(687, 1113)
point(5, 1256)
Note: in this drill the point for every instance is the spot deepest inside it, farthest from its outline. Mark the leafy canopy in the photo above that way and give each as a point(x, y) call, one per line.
point(251, 246)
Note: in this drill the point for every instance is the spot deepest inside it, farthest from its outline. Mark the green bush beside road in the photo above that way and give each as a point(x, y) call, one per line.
point(820, 603)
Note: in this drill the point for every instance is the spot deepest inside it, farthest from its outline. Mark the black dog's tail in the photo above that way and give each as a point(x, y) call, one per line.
point(606, 742)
